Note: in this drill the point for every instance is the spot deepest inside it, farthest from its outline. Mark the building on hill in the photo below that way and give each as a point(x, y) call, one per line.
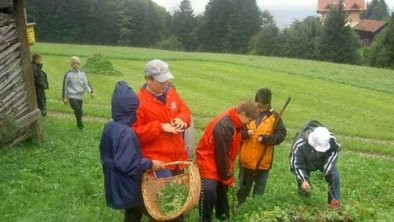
point(354, 9)
point(368, 29)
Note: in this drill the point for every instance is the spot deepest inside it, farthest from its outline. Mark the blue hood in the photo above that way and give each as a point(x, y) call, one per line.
point(124, 104)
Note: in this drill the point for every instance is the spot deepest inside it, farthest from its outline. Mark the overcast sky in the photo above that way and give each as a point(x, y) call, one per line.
point(284, 11)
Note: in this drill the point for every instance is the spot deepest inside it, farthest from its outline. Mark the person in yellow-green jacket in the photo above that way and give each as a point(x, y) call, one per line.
point(257, 149)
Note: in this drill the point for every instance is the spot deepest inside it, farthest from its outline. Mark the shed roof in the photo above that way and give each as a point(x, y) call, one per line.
point(368, 25)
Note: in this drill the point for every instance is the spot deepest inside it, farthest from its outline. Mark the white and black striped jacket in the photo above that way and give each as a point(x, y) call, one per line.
point(304, 158)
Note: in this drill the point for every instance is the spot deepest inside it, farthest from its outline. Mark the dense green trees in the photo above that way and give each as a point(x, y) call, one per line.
point(266, 41)
point(236, 26)
point(376, 10)
point(339, 43)
point(382, 50)
point(184, 26)
point(302, 39)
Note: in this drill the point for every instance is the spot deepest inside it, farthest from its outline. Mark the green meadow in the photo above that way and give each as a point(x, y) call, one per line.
point(61, 179)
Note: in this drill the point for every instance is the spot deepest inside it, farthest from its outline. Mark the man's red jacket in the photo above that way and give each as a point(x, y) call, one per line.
point(155, 143)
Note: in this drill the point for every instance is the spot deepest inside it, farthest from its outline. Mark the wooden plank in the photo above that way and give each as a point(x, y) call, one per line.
point(5, 4)
point(10, 41)
point(9, 99)
point(11, 85)
point(22, 137)
point(28, 119)
point(9, 78)
point(19, 14)
point(5, 29)
point(9, 58)
point(9, 50)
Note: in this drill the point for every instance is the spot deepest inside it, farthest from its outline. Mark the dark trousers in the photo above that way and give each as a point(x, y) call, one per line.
point(213, 194)
point(41, 100)
point(133, 214)
point(334, 186)
point(246, 179)
point(76, 105)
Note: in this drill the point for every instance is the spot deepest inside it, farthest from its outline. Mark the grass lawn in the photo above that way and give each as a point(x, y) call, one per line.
point(61, 179)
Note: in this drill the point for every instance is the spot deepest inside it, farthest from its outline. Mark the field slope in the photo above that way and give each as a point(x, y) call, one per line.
point(61, 179)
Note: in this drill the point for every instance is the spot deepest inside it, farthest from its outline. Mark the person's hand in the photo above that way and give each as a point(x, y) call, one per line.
point(305, 186)
point(157, 165)
point(168, 128)
point(178, 124)
point(250, 132)
point(263, 138)
point(65, 101)
point(93, 95)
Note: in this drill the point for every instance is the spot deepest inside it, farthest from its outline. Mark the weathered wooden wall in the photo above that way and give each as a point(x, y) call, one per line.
point(17, 92)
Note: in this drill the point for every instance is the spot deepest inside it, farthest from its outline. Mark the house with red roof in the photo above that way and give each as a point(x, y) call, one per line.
point(353, 8)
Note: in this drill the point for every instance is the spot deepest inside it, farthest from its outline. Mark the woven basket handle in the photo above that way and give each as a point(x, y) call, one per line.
point(177, 163)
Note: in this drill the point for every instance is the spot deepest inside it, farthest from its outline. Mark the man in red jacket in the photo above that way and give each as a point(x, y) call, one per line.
point(215, 157)
point(161, 118)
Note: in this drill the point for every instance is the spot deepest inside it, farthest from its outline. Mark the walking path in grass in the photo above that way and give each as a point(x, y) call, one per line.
point(98, 119)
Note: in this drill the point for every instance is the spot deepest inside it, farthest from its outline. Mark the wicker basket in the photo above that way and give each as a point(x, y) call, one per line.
point(152, 185)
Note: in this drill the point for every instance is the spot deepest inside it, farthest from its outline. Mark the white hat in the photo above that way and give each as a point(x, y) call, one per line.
point(159, 70)
point(319, 139)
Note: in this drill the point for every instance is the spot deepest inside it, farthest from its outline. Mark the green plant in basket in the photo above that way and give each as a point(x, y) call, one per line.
point(172, 197)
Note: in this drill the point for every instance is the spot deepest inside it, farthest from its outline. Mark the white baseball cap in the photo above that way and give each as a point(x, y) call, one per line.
point(159, 70)
point(319, 139)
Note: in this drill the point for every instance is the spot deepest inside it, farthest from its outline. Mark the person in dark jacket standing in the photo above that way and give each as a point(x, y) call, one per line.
point(75, 84)
point(41, 83)
point(316, 148)
point(120, 153)
point(215, 156)
point(257, 151)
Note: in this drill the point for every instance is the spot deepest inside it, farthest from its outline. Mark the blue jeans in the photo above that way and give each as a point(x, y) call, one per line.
point(334, 185)
point(246, 179)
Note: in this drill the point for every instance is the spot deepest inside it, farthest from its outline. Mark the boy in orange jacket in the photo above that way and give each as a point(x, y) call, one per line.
point(215, 157)
point(257, 150)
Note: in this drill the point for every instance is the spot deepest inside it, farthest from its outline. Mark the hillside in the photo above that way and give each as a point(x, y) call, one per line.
point(62, 178)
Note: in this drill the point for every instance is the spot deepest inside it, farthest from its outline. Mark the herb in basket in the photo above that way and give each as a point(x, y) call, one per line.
point(172, 197)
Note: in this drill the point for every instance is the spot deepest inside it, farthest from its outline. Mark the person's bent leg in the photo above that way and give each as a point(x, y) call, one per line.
point(334, 188)
point(245, 182)
point(207, 199)
point(260, 181)
point(222, 206)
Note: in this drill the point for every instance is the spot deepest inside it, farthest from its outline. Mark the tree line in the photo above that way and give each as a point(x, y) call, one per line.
point(233, 26)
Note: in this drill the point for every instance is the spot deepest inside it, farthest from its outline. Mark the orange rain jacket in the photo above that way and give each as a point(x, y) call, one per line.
point(219, 147)
point(155, 143)
point(252, 150)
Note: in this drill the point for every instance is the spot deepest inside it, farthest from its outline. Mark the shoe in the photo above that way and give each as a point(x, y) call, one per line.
point(334, 203)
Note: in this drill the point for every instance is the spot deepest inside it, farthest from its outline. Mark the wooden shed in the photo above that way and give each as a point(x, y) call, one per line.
point(368, 29)
point(19, 116)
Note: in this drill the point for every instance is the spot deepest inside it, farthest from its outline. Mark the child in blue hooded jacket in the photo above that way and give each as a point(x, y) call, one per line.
point(120, 153)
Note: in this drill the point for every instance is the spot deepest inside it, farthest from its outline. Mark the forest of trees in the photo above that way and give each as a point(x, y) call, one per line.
point(234, 26)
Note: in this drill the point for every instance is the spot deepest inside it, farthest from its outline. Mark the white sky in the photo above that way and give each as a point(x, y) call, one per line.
point(284, 11)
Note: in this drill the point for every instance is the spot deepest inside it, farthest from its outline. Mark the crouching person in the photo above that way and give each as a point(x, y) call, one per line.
point(215, 157)
point(121, 158)
point(316, 148)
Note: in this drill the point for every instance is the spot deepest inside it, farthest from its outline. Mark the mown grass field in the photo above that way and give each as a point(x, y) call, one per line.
point(61, 179)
